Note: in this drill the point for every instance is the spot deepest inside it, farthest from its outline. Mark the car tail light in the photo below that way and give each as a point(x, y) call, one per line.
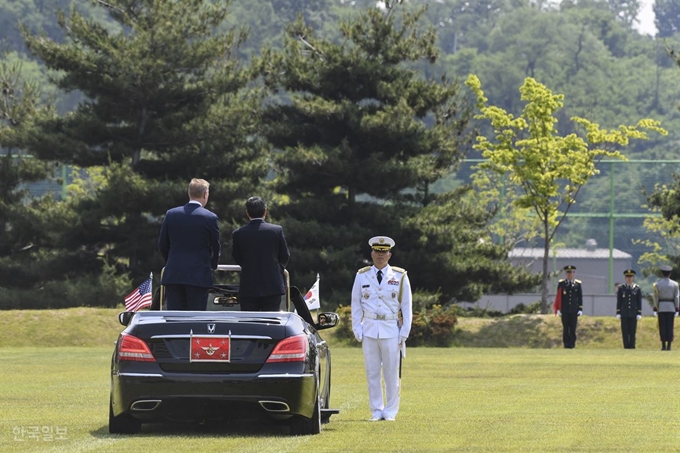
point(135, 349)
point(293, 349)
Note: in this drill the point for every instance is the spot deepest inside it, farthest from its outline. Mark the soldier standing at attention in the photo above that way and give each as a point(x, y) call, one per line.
point(379, 294)
point(666, 305)
point(569, 305)
point(629, 308)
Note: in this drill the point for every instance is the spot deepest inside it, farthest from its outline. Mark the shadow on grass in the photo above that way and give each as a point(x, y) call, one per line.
point(250, 428)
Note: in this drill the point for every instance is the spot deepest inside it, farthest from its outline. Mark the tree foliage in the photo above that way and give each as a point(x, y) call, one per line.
point(165, 101)
point(550, 169)
point(359, 144)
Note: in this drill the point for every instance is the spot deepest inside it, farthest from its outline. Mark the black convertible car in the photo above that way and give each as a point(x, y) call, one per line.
point(222, 364)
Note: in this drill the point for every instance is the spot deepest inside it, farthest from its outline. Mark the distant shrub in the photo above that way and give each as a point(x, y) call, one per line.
point(478, 312)
point(521, 309)
point(103, 290)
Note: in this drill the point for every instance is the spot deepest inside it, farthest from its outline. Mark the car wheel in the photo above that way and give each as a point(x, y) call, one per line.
point(123, 424)
point(301, 426)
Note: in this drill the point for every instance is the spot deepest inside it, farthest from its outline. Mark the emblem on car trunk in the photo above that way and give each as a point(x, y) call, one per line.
point(209, 348)
point(211, 328)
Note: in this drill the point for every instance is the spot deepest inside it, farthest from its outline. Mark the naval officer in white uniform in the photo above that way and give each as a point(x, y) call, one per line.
point(381, 321)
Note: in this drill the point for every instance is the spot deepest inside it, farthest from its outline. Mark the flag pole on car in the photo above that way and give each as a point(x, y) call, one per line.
point(141, 296)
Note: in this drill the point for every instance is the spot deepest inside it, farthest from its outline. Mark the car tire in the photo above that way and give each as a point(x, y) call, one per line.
point(301, 426)
point(123, 424)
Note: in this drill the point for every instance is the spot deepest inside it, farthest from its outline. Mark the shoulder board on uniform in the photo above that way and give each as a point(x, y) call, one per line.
point(399, 269)
point(561, 280)
point(363, 269)
point(635, 285)
point(576, 280)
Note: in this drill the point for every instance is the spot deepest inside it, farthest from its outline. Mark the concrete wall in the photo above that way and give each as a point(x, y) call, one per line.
point(593, 273)
point(593, 304)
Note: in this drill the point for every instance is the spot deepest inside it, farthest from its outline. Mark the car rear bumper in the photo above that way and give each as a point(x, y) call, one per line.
point(158, 396)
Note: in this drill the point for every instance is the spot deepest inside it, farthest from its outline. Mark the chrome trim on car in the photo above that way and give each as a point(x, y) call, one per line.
point(237, 337)
point(145, 405)
point(274, 406)
point(286, 375)
point(154, 375)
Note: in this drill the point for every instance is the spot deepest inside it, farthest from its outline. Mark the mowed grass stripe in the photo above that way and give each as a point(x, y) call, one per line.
point(453, 399)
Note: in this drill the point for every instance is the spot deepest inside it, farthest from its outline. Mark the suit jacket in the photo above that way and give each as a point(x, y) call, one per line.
point(190, 244)
point(261, 250)
point(572, 295)
point(629, 301)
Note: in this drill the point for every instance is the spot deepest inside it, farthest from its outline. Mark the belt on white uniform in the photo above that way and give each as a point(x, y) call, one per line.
point(369, 315)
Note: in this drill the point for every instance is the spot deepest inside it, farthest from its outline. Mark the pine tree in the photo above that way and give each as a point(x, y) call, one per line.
point(359, 144)
point(20, 108)
point(165, 101)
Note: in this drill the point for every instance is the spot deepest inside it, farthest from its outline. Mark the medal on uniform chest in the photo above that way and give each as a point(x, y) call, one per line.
point(394, 295)
point(366, 296)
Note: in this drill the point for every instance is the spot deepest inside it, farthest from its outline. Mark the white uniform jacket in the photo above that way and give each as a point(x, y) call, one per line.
point(375, 307)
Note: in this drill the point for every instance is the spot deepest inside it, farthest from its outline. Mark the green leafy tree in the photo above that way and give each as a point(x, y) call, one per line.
point(551, 169)
point(664, 228)
point(165, 102)
point(666, 17)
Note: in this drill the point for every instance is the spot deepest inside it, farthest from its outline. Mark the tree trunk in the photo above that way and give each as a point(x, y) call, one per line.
point(546, 256)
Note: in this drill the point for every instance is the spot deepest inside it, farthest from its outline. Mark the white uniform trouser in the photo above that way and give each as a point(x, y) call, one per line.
point(382, 354)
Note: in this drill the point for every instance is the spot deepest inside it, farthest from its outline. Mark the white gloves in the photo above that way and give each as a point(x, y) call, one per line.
point(402, 340)
point(638, 317)
point(359, 337)
point(676, 314)
point(579, 313)
point(559, 312)
point(656, 314)
point(618, 316)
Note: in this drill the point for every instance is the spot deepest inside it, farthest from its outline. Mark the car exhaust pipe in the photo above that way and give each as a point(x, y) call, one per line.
point(145, 405)
point(274, 406)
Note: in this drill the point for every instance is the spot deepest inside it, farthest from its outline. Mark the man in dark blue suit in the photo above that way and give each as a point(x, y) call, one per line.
point(190, 244)
point(261, 250)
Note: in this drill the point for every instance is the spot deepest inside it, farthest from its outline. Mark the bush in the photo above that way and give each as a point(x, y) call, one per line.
point(103, 290)
point(531, 309)
point(431, 327)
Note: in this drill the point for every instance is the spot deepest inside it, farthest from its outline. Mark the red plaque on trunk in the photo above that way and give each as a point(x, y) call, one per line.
point(210, 348)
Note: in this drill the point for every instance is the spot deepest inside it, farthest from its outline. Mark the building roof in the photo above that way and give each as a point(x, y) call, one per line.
point(567, 253)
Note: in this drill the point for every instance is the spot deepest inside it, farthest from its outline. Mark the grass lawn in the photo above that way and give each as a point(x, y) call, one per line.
point(467, 399)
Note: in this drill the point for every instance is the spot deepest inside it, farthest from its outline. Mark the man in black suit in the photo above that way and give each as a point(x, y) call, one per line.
point(190, 244)
point(261, 250)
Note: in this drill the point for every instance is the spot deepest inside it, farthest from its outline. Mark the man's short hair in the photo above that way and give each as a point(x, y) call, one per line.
point(255, 207)
point(198, 187)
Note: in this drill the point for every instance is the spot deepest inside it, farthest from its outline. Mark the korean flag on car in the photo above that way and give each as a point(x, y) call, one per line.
point(312, 296)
